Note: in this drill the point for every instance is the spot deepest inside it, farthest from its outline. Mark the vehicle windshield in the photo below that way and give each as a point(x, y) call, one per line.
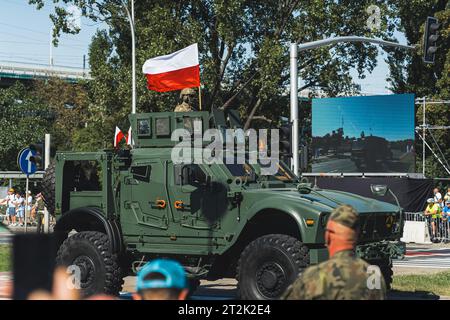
point(243, 171)
point(283, 174)
point(250, 173)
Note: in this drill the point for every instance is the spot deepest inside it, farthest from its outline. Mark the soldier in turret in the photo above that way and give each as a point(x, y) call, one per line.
point(187, 98)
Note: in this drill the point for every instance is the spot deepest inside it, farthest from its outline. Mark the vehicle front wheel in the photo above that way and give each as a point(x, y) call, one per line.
point(385, 266)
point(96, 266)
point(268, 265)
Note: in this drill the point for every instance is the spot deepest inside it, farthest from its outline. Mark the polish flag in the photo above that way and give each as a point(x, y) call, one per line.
point(174, 71)
point(118, 136)
point(128, 137)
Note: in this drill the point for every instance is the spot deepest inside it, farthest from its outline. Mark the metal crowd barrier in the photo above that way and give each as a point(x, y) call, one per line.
point(442, 229)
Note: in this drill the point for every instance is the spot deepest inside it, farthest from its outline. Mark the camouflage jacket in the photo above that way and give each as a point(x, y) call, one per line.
point(343, 277)
point(183, 107)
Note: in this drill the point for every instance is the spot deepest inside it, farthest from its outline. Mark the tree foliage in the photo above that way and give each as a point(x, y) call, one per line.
point(243, 48)
point(408, 73)
point(24, 120)
point(29, 112)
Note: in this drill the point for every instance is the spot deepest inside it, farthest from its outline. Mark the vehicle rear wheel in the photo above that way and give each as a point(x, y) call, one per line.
point(48, 188)
point(268, 265)
point(39, 223)
point(99, 270)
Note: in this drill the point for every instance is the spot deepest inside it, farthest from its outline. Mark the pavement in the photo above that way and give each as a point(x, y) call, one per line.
point(335, 165)
point(423, 260)
point(343, 163)
point(419, 259)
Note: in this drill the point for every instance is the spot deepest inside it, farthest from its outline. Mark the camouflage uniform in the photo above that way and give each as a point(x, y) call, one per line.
point(186, 97)
point(342, 277)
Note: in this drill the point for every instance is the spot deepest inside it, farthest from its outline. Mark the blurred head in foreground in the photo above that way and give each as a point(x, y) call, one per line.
point(342, 228)
point(162, 279)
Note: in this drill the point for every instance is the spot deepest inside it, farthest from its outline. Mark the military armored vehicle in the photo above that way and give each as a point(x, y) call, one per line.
point(371, 153)
point(115, 210)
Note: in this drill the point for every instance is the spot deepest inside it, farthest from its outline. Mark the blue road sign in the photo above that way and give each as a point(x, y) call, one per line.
point(24, 160)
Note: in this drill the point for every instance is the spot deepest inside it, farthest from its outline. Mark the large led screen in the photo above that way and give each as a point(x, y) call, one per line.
point(369, 134)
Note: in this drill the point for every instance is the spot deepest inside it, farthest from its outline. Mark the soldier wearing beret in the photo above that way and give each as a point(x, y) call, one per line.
point(343, 276)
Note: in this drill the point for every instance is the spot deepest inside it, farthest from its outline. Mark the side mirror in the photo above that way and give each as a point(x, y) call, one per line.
point(379, 189)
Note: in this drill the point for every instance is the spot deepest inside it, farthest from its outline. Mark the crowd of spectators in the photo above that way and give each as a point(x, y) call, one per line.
point(437, 212)
point(17, 203)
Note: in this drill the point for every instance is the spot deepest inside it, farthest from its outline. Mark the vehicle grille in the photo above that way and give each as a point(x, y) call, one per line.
point(379, 226)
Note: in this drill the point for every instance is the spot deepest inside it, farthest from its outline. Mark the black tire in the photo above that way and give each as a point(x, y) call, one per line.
point(386, 270)
point(48, 188)
point(268, 265)
point(194, 284)
point(39, 223)
point(90, 250)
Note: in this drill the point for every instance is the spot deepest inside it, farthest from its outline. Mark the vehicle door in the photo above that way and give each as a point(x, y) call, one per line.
point(195, 204)
point(145, 202)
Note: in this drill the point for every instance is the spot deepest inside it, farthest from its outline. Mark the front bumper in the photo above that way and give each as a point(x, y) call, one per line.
point(381, 250)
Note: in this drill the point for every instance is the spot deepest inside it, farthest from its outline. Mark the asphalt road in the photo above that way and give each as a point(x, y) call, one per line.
point(335, 165)
point(418, 260)
point(434, 259)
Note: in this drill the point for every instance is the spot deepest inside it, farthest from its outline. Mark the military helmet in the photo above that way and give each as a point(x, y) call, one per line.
point(187, 92)
point(345, 215)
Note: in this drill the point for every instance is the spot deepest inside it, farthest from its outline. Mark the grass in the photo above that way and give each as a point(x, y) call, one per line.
point(435, 283)
point(5, 258)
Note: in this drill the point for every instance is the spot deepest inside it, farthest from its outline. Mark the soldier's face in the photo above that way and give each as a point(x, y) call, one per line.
point(188, 98)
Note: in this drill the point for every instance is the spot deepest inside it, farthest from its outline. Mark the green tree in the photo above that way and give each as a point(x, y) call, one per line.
point(409, 74)
point(29, 112)
point(24, 121)
point(243, 48)
point(69, 103)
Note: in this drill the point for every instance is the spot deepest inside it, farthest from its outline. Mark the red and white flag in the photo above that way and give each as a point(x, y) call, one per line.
point(128, 137)
point(174, 71)
point(118, 136)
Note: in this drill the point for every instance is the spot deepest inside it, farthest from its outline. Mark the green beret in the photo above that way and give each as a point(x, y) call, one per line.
point(345, 215)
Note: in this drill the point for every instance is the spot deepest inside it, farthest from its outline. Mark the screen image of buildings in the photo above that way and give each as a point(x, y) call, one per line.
point(370, 134)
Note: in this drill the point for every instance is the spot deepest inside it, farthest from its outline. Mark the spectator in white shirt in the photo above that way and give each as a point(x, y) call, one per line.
point(20, 208)
point(11, 206)
point(29, 203)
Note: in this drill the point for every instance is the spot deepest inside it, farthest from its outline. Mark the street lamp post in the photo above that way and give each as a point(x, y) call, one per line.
point(133, 54)
point(294, 49)
point(294, 106)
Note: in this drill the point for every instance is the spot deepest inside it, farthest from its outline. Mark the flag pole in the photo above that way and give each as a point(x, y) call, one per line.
point(200, 97)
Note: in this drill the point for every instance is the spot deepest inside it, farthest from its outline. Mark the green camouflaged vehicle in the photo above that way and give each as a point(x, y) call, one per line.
point(218, 220)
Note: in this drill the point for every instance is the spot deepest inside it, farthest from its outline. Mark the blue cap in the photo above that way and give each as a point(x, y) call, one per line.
point(173, 272)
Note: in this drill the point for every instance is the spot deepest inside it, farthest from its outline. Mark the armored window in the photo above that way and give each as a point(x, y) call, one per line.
point(162, 127)
point(141, 173)
point(190, 174)
point(143, 127)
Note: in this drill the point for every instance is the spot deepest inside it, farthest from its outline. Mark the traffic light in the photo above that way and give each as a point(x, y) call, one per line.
point(38, 159)
point(285, 142)
point(431, 36)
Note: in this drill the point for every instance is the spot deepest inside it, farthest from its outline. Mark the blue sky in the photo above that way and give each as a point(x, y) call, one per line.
point(391, 117)
point(25, 37)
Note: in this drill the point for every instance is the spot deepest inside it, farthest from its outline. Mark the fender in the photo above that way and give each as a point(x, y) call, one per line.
point(307, 235)
point(288, 209)
point(91, 219)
